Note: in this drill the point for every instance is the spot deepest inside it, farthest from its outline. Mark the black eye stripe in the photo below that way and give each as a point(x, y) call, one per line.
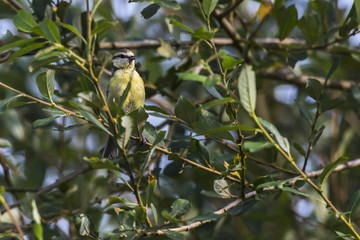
point(123, 56)
point(120, 56)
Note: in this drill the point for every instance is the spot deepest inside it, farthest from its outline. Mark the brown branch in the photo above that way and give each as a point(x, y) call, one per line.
point(66, 178)
point(291, 78)
point(14, 5)
point(229, 9)
point(314, 174)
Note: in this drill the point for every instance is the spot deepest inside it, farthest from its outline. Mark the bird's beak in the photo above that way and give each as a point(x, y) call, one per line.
point(132, 58)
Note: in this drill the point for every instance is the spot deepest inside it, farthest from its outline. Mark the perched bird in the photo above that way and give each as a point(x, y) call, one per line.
point(124, 79)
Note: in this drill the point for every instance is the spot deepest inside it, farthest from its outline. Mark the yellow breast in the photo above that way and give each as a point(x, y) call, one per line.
point(119, 82)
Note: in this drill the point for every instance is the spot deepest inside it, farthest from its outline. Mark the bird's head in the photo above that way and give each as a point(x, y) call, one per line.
point(123, 59)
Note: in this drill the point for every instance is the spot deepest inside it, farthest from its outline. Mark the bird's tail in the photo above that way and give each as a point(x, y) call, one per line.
point(111, 150)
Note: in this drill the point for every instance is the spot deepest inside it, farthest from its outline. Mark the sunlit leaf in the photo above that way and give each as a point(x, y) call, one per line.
point(229, 62)
point(282, 141)
point(4, 103)
point(329, 168)
point(43, 122)
point(256, 146)
point(24, 21)
point(22, 51)
point(247, 89)
point(93, 120)
point(180, 206)
point(46, 83)
point(264, 9)
point(72, 29)
point(203, 34)
point(221, 187)
point(50, 31)
point(209, 6)
point(179, 24)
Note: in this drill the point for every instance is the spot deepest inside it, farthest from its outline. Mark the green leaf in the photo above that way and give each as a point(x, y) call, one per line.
point(156, 109)
point(242, 207)
point(185, 110)
point(218, 102)
point(328, 104)
point(221, 187)
point(46, 83)
point(165, 214)
point(40, 7)
point(304, 112)
point(200, 149)
point(313, 88)
point(293, 58)
point(4, 103)
point(282, 141)
point(357, 8)
point(38, 230)
point(159, 138)
point(102, 26)
point(127, 127)
point(174, 235)
point(299, 148)
point(154, 213)
point(150, 10)
point(287, 21)
point(209, 6)
point(93, 120)
point(179, 24)
point(24, 21)
point(229, 62)
point(50, 31)
point(225, 129)
point(103, 163)
point(179, 207)
point(173, 4)
point(309, 26)
point(25, 50)
point(43, 122)
point(256, 146)
point(150, 191)
point(86, 228)
point(334, 66)
point(166, 50)
point(297, 192)
point(203, 34)
point(317, 134)
point(354, 203)
point(72, 29)
point(17, 43)
point(191, 76)
point(329, 168)
point(247, 89)
point(344, 236)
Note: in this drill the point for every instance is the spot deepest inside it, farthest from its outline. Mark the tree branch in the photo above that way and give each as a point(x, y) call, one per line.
point(291, 78)
point(66, 178)
point(314, 174)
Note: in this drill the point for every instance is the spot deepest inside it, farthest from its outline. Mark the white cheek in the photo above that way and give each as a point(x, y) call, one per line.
point(120, 62)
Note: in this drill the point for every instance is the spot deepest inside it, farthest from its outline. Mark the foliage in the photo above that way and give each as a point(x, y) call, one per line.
point(227, 153)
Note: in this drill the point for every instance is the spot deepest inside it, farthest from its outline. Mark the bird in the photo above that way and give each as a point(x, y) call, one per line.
point(124, 80)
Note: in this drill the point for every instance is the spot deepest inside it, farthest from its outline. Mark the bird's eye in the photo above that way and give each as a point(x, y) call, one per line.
point(119, 56)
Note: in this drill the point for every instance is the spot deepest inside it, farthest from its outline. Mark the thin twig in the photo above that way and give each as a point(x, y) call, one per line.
point(66, 178)
point(314, 174)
